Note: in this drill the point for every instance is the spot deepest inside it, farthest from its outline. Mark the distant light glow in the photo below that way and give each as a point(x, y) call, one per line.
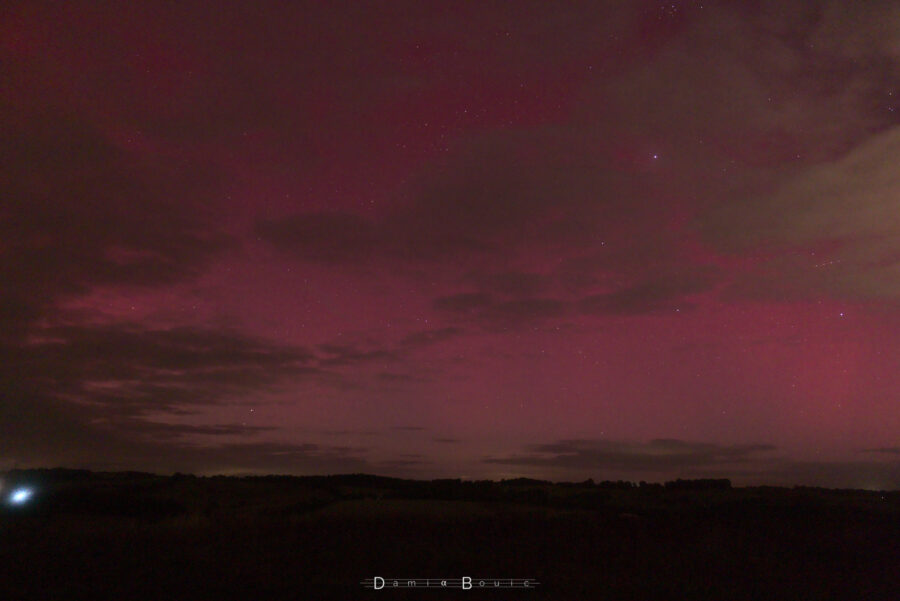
point(20, 496)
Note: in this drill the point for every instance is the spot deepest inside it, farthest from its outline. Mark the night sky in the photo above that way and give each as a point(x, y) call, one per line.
point(609, 240)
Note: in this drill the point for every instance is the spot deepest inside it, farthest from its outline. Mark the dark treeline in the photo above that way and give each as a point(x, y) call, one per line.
point(132, 535)
point(151, 496)
point(81, 475)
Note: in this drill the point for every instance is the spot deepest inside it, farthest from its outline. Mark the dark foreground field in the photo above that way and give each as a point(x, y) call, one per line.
point(139, 536)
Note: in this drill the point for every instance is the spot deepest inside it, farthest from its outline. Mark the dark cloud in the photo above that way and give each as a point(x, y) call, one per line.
point(664, 290)
point(512, 283)
point(130, 370)
point(522, 311)
point(659, 455)
point(665, 293)
point(337, 355)
point(393, 464)
point(164, 430)
point(89, 390)
point(409, 428)
point(81, 212)
point(659, 293)
point(497, 197)
point(66, 438)
point(95, 386)
point(781, 82)
point(885, 450)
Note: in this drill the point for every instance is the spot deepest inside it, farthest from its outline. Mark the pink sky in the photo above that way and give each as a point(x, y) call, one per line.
point(627, 240)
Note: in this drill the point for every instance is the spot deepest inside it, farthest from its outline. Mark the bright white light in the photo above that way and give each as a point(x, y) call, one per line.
point(20, 496)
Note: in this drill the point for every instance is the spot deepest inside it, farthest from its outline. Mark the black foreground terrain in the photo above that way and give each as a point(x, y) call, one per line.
point(140, 536)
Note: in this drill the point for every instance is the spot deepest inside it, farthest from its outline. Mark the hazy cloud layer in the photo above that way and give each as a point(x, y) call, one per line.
point(81, 212)
point(661, 455)
point(831, 229)
point(669, 458)
point(886, 450)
